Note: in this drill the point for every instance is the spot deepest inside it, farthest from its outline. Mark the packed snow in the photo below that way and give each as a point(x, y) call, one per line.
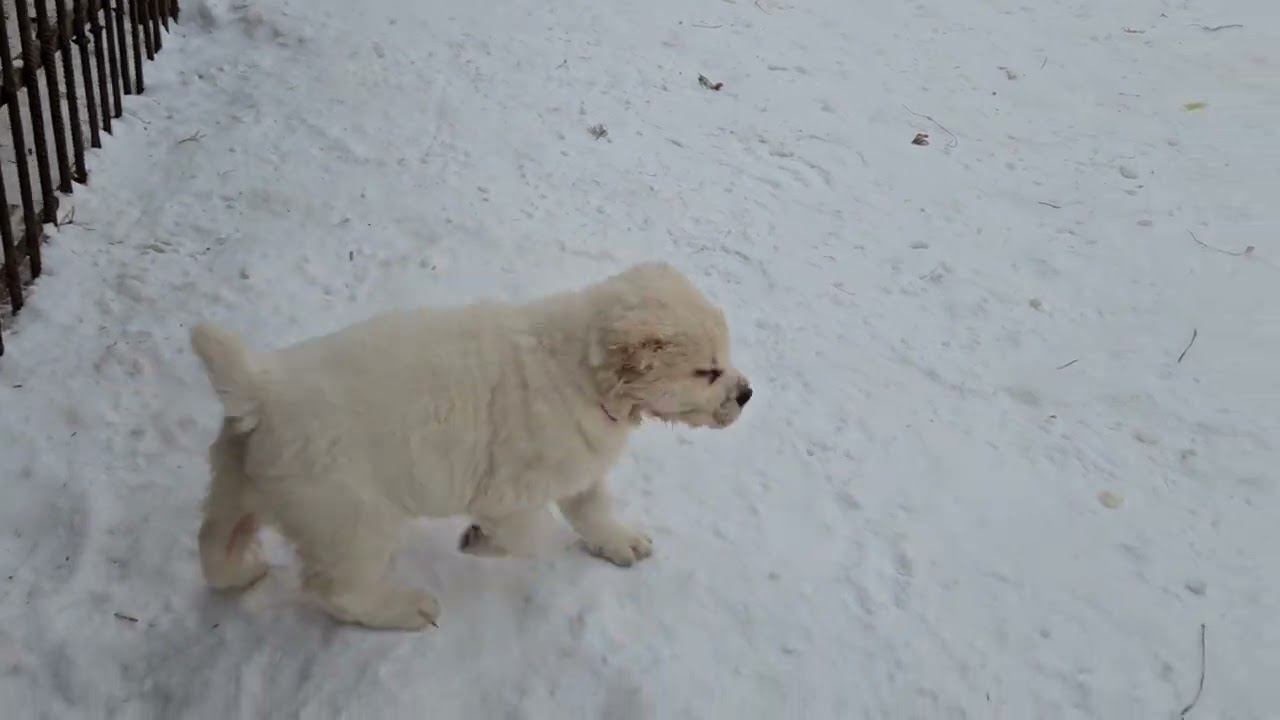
point(988, 472)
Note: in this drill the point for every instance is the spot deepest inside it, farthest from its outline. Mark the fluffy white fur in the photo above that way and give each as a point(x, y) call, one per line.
point(490, 410)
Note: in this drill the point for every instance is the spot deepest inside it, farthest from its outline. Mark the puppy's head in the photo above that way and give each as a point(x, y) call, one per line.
point(661, 349)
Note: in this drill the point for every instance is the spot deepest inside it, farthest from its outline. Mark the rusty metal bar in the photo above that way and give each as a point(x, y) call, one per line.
point(79, 173)
point(134, 26)
point(115, 40)
point(86, 72)
point(48, 49)
point(143, 8)
point(12, 260)
point(49, 207)
point(95, 29)
point(153, 14)
point(31, 224)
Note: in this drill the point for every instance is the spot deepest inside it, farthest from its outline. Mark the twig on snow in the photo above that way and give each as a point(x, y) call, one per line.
point(1236, 253)
point(126, 618)
point(193, 137)
point(761, 8)
point(705, 82)
point(1064, 366)
point(1133, 31)
point(1044, 62)
point(955, 141)
point(1200, 688)
point(706, 27)
point(1216, 28)
point(1049, 204)
point(1194, 333)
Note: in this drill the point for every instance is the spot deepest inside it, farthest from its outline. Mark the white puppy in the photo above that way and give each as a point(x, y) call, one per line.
point(492, 411)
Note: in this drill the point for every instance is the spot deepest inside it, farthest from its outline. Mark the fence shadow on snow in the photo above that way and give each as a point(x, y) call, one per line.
point(65, 66)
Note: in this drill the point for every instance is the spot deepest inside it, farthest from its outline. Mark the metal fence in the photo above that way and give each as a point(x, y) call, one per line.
point(66, 65)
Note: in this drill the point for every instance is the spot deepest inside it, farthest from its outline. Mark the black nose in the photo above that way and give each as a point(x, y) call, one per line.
point(744, 395)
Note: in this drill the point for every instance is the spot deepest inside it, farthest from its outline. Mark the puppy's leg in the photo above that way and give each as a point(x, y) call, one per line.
point(346, 550)
point(513, 534)
point(230, 555)
point(591, 515)
point(352, 591)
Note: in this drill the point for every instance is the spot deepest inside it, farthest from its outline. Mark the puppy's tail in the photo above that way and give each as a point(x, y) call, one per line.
point(231, 372)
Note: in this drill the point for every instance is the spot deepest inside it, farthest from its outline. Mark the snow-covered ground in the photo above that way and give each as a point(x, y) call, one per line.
point(977, 480)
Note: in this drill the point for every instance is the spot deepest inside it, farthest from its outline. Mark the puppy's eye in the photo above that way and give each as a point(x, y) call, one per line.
point(710, 375)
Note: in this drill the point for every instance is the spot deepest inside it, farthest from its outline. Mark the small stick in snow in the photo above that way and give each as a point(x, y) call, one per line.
point(598, 131)
point(1216, 28)
point(193, 137)
point(1200, 688)
point(706, 83)
point(761, 8)
point(1064, 366)
point(920, 139)
point(126, 618)
point(1237, 253)
point(1049, 204)
point(1132, 31)
point(954, 140)
point(1194, 333)
point(706, 27)
point(1044, 62)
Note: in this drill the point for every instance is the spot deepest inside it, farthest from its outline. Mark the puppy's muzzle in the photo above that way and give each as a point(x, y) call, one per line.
point(744, 396)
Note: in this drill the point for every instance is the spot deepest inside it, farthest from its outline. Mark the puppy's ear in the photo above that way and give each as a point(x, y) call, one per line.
point(629, 346)
point(635, 359)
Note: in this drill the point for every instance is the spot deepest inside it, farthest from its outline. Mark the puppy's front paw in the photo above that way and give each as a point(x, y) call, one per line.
point(623, 547)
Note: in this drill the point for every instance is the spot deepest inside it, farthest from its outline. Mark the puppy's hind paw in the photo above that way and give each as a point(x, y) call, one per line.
point(403, 610)
point(475, 542)
point(624, 548)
